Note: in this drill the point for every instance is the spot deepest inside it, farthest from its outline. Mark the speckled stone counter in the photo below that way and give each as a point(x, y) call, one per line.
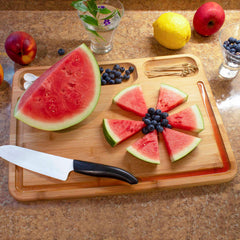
point(206, 212)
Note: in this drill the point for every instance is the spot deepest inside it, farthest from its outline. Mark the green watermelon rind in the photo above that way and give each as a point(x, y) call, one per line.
point(137, 154)
point(111, 138)
point(199, 118)
point(124, 91)
point(176, 90)
point(74, 120)
point(175, 157)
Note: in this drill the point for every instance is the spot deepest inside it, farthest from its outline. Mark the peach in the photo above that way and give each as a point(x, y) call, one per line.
point(21, 47)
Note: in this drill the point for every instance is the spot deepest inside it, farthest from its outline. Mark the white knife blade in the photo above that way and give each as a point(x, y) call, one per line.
point(59, 167)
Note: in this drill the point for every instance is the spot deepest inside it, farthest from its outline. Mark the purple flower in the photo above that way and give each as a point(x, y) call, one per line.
point(107, 22)
point(101, 7)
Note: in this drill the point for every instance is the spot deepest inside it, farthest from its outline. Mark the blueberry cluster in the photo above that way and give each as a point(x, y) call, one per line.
point(155, 119)
point(115, 75)
point(232, 45)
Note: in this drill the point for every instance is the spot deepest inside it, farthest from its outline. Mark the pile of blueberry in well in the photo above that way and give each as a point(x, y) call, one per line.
point(115, 75)
point(155, 119)
point(232, 45)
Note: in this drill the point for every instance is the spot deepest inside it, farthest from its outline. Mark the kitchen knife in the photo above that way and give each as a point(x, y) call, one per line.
point(59, 167)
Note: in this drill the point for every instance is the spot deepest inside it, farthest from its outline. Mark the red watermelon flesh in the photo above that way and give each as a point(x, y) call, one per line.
point(170, 97)
point(64, 95)
point(179, 144)
point(146, 148)
point(131, 99)
point(116, 131)
point(189, 119)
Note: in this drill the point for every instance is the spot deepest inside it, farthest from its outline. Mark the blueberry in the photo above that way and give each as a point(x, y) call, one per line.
point(238, 41)
point(145, 130)
point(147, 121)
point(112, 81)
point(151, 111)
point(61, 51)
point(154, 122)
point(158, 112)
point(159, 128)
point(169, 126)
point(118, 74)
point(126, 77)
point(122, 69)
point(105, 75)
point(118, 80)
point(101, 69)
point(131, 69)
point(127, 72)
point(157, 118)
point(232, 40)
point(147, 115)
point(238, 48)
point(107, 79)
point(116, 67)
point(112, 76)
point(232, 50)
point(164, 122)
point(150, 127)
point(108, 70)
point(103, 82)
point(164, 115)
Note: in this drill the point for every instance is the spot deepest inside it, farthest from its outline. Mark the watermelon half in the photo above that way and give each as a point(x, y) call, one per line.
point(131, 99)
point(116, 131)
point(64, 95)
point(179, 144)
point(189, 119)
point(170, 97)
point(146, 148)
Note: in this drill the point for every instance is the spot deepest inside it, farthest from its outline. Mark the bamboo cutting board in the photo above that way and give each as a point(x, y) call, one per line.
point(211, 162)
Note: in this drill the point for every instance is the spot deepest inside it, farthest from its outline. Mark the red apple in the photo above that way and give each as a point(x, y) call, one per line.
point(21, 47)
point(1, 74)
point(208, 18)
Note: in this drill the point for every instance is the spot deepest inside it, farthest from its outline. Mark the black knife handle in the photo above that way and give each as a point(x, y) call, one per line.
point(101, 170)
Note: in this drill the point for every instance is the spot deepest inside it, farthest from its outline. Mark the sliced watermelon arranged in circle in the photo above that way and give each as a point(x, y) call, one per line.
point(146, 148)
point(116, 131)
point(131, 99)
point(179, 144)
point(64, 95)
point(189, 119)
point(170, 97)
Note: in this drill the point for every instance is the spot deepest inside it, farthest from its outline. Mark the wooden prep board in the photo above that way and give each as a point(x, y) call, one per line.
point(211, 162)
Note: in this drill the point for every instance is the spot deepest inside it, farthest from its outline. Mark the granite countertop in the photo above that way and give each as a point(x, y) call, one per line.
point(203, 212)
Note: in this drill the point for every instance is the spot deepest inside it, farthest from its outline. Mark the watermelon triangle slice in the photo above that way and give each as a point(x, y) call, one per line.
point(170, 97)
point(64, 95)
point(179, 144)
point(189, 119)
point(116, 131)
point(131, 99)
point(146, 148)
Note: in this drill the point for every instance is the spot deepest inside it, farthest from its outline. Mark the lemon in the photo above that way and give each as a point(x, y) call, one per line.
point(172, 30)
